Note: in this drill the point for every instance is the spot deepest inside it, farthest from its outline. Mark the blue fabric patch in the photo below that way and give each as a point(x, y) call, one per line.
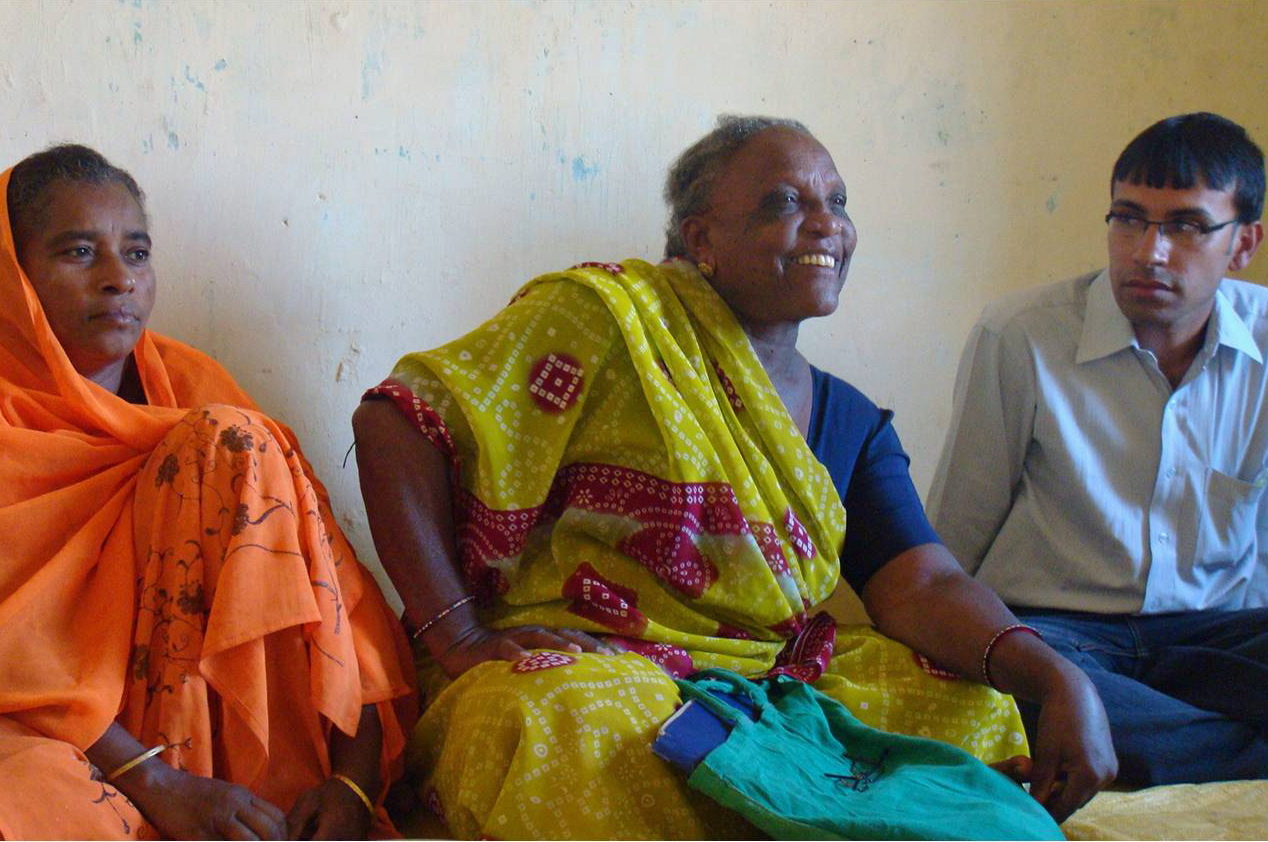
point(693, 731)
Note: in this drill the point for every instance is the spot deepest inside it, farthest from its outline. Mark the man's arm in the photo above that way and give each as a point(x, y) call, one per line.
point(992, 418)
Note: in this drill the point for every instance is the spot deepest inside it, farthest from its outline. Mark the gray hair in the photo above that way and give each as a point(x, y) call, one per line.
point(34, 175)
point(691, 178)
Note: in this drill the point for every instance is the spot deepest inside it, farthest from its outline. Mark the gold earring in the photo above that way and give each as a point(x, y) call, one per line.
point(705, 269)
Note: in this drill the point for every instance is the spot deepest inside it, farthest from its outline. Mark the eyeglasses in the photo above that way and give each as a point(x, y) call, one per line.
point(1180, 232)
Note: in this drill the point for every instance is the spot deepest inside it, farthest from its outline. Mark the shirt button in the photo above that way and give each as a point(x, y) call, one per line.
point(1171, 472)
point(1163, 537)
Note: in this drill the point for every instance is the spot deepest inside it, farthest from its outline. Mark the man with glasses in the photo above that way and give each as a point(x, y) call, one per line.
point(1105, 467)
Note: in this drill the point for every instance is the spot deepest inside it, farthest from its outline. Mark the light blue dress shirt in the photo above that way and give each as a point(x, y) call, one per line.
point(1074, 477)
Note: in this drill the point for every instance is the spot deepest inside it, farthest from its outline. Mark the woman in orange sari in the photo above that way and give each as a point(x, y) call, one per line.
point(188, 647)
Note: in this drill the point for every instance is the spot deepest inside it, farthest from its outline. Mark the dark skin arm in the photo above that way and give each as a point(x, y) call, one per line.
point(181, 805)
point(185, 806)
point(407, 489)
point(331, 810)
point(923, 598)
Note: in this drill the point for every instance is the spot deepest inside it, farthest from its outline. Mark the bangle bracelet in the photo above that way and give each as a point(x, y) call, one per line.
point(352, 785)
point(136, 761)
point(417, 633)
point(990, 647)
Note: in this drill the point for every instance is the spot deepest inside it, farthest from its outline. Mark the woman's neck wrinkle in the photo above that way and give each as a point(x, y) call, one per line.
point(775, 346)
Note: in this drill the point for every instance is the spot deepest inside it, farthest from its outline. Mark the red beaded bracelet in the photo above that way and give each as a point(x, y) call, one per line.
point(990, 647)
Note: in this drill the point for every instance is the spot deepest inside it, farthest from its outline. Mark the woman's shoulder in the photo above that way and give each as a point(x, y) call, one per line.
point(182, 358)
point(840, 397)
point(843, 421)
point(595, 279)
point(196, 377)
point(589, 300)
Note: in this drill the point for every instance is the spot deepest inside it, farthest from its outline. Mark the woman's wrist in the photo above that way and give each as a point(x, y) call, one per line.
point(1064, 676)
point(127, 764)
point(145, 781)
point(1023, 665)
point(989, 650)
point(356, 789)
point(437, 617)
point(449, 631)
point(355, 760)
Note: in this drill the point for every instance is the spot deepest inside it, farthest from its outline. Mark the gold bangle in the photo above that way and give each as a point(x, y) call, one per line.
point(136, 761)
point(352, 785)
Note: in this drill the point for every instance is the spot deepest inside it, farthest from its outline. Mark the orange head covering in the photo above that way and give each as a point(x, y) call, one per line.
point(70, 452)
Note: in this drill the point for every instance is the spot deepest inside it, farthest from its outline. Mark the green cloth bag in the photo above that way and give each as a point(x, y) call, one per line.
point(807, 769)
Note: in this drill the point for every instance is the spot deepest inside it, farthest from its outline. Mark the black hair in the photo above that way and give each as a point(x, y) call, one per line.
point(31, 178)
point(1197, 149)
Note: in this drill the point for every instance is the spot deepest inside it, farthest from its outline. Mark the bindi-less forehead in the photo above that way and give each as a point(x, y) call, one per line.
point(779, 157)
point(69, 210)
point(73, 235)
point(68, 205)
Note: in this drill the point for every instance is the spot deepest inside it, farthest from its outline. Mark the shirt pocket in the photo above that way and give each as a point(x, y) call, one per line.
point(1227, 521)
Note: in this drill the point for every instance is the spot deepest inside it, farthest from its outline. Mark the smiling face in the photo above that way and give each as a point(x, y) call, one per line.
point(1164, 286)
point(776, 231)
point(88, 257)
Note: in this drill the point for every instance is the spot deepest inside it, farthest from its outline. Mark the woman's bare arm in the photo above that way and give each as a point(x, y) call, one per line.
point(408, 500)
point(923, 598)
point(181, 805)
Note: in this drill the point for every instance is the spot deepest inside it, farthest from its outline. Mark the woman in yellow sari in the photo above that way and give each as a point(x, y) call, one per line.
point(609, 482)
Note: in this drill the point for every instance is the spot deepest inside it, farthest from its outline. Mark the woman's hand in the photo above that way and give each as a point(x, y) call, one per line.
point(185, 806)
point(333, 809)
point(923, 598)
point(408, 494)
point(330, 810)
point(477, 644)
point(1073, 752)
point(181, 805)
point(1073, 755)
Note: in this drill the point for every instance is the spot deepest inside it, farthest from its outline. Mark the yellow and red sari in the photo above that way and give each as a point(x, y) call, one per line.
point(625, 467)
point(175, 567)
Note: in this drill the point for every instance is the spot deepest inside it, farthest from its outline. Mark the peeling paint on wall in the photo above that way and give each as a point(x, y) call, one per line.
point(581, 170)
point(371, 73)
point(400, 168)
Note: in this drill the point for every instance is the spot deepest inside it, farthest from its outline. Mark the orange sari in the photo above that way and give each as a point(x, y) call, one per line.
point(174, 567)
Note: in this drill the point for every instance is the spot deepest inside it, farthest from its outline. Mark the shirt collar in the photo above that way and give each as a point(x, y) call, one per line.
point(1107, 331)
point(1230, 330)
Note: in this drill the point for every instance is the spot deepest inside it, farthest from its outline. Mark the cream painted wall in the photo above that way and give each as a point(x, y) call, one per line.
point(335, 183)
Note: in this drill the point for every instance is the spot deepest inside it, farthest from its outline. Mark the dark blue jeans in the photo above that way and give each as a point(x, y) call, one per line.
point(1186, 693)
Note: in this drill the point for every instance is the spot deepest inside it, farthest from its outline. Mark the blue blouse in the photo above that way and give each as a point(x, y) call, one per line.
point(855, 441)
